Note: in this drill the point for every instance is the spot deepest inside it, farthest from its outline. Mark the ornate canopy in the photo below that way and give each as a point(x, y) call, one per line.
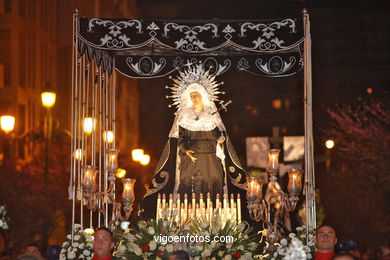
point(155, 48)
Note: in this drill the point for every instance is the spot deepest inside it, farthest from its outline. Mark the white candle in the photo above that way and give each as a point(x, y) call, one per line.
point(238, 208)
point(158, 215)
point(186, 205)
point(178, 207)
point(193, 205)
point(170, 203)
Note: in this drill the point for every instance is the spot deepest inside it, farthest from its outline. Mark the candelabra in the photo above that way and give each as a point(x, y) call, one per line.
point(260, 208)
point(91, 197)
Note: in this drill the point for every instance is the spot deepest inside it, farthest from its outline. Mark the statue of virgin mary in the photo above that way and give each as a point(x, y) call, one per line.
point(199, 156)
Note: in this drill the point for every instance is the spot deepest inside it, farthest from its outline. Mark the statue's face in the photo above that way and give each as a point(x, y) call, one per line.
point(196, 98)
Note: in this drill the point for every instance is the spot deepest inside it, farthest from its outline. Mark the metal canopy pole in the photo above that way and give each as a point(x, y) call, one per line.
point(309, 145)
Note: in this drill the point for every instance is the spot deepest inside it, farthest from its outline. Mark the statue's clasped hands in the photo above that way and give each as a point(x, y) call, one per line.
point(189, 154)
point(221, 139)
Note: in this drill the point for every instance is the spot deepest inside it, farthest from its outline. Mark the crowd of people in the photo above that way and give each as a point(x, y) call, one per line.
point(328, 248)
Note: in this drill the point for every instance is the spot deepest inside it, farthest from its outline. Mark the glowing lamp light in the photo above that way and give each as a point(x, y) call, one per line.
point(294, 186)
point(113, 159)
point(329, 144)
point(78, 154)
point(108, 136)
point(255, 190)
point(48, 99)
point(7, 123)
point(89, 125)
point(145, 159)
point(137, 154)
point(120, 173)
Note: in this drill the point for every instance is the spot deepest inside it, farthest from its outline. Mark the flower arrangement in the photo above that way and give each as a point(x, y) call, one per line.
point(3, 218)
point(300, 246)
point(82, 247)
point(150, 240)
point(239, 244)
point(143, 240)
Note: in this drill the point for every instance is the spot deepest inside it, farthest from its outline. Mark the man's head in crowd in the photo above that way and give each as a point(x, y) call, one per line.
point(33, 249)
point(103, 242)
point(326, 239)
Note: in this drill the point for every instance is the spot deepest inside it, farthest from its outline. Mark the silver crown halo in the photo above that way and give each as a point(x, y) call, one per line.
point(194, 73)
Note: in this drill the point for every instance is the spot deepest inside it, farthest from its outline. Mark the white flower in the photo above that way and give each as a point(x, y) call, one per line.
point(76, 238)
point(77, 226)
point(240, 247)
point(69, 236)
point(71, 254)
point(151, 230)
point(283, 242)
point(142, 224)
point(130, 237)
point(206, 253)
point(75, 244)
point(86, 252)
point(81, 246)
point(152, 245)
point(169, 248)
point(121, 248)
point(227, 257)
point(138, 251)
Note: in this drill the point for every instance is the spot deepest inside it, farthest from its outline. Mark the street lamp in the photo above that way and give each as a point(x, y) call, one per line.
point(7, 123)
point(48, 98)
point(108, 137)
point(145, 159)
point(329, 143)
point(137, 154)
point(89, 125)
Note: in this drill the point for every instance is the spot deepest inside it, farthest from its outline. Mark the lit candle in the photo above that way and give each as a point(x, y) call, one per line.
point(184, 213)
point(201, 206)
point(211, 213)
point(217, 201)
point(294, 186)
point(170, 203)
point(164, 198)
point(193, 205)
point(128, 195)
point(186, 204)
point(234, 212)
point(113, 159)
point(89, 178)
point(190, 214)
point(178, 206)
point(158, 215)
point(208, 201)
point(238, 208)
point(273, 163)
point(198, 212)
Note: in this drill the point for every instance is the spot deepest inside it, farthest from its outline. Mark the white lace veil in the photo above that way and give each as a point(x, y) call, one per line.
point(208, 121)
